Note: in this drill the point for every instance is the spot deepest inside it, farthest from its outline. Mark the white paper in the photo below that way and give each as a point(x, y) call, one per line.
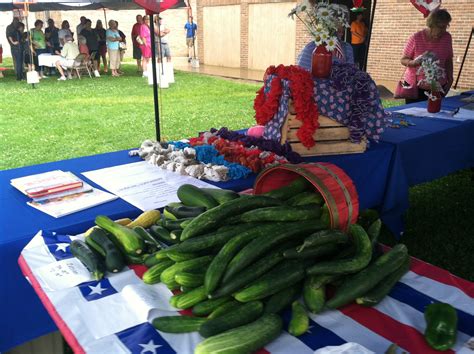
point(63, 274)
point(126, 309)
point(348, 348)
point(460, 115)
point(143, 185)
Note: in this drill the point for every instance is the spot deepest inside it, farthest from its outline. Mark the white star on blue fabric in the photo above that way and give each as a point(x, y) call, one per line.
point(96, 289)
point(149, 347)
point(61, 247)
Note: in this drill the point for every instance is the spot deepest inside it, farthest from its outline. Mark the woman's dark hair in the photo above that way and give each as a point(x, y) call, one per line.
point(38, 22)
point(437, 18)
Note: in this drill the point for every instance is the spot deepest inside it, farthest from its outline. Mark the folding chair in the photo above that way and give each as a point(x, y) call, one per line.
point(81, 63)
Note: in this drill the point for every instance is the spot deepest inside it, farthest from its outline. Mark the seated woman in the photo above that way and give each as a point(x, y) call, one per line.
point(69, 52)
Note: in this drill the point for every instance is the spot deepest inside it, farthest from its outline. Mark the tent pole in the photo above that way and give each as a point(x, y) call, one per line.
point(105, 16)
point(464, 58)
point(155, 83)
point(374, 4)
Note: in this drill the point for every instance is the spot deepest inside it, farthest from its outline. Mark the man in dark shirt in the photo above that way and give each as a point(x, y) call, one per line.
point(51, 35)
point(10, 32)
point(14, 36)
point(92, 41)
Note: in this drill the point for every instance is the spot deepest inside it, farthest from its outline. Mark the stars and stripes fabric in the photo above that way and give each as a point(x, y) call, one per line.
point(397, 319)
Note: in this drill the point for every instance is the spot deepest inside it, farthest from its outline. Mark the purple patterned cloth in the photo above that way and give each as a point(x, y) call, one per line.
point(349, 96)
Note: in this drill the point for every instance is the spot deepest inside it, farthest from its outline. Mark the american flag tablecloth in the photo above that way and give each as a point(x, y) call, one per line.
point(397, 319)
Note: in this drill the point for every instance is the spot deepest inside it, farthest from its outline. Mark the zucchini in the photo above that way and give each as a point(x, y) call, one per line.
point(130, 241)
point(167, 216)
point(297, 186)
point(243, 339)
point(168, 275)
point(182, 212)
point(98, 240)
point(224, 309)
point(189, 280)
point(311, 252)
point(249, 274)
point(145, 235)
point(218, 215)
point(260, 245)
point(191, 298)
point(299, 322)
point(366, 279)
point(146, 219)
point(217, 268)
point(193, 196)
point(324, 237)
point(246, 313)
point(282, 299)
point(352, 265)
point(208, 306)
point(221, 195)
point(314, 294)
point(178, 324)
point(162, 234)
point(283, 213)
point(175, 235)
point(134, 259)
point(376, 294)
point(91, 260)
point(152, 275)
point(307, 197)
point(174, 224)
point(286, 274)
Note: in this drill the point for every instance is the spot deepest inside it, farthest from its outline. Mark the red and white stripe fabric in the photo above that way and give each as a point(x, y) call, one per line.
point(397, 319)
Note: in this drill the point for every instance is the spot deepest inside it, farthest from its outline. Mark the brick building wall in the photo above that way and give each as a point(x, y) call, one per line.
point(396, 20)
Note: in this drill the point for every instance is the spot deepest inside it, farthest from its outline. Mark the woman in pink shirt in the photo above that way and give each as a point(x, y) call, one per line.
point(434, 39)
point(145, 46)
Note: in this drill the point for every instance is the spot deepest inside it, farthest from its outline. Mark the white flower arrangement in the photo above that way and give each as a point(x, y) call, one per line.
point(322, 19)
point(432, 72)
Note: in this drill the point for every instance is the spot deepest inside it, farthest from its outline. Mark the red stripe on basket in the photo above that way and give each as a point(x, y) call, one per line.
point(440, 275)
point(403, 335)
point(65, 331)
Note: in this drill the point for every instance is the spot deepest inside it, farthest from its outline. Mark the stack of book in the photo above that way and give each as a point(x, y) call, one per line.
point(58, 193)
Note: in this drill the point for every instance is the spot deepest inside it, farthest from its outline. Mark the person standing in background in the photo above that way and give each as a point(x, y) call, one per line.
point(359, 36)
point(39, 46)
point(137, 53)
point(145, 43)
point(113, 40)
point(191, 28)
point(81, 25)
point(63, 32)
point(51, 34)
point(92, 41)
point(100, 30)
point(15, 39)
point(163, 32)
point(10, 31)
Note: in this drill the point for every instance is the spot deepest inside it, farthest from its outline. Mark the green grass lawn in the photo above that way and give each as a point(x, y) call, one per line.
point(60, 120)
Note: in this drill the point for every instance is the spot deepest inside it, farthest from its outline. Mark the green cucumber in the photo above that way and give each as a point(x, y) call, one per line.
point(98, 240)
point(374, 232)
point(244, 339)
point(217, 268)
point(282, 213)
point(191, 195)
point(186, 222)
point(155, 258)
point(314, 295)
point(178, 324)
point(183, 211)
point(131, 242)
point(208, 306)
point(218, 215)
point(167, 216)
point(376, 294)
point(282, 299)
point(145, 235)
point(91, 260)
point(299, 322)
point(134, 259)
point(352, 265)
point(162, 234)
point(176, 234)
point(325, 216)
point(191, 298)
point(297, 186)
point(180, 256)
point(367, 217)
point(311, 252)
point(286, 274)
point(221, 195)
point(307, 197)
point(324, 237)
point(360, 283)
point(225, 308)
point(253, 250)
point(249, 274)
point(320, 280)
point(189, 280)
point(168, 275)
point(152, 275)
point(175, 224)
point(247, 313)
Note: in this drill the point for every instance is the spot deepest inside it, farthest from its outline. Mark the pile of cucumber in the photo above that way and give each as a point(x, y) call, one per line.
point(239, 261)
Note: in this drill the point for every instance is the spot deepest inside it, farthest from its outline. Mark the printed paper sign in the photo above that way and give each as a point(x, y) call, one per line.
point(63, 274)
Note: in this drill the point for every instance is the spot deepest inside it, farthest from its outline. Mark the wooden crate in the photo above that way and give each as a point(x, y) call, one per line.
point(332, 138)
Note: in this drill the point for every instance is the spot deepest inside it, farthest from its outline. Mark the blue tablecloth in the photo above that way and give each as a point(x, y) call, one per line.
point(382, 175)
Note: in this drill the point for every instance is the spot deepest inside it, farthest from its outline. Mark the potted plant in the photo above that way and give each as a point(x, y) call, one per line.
point(431, 73)
point(322, 19)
